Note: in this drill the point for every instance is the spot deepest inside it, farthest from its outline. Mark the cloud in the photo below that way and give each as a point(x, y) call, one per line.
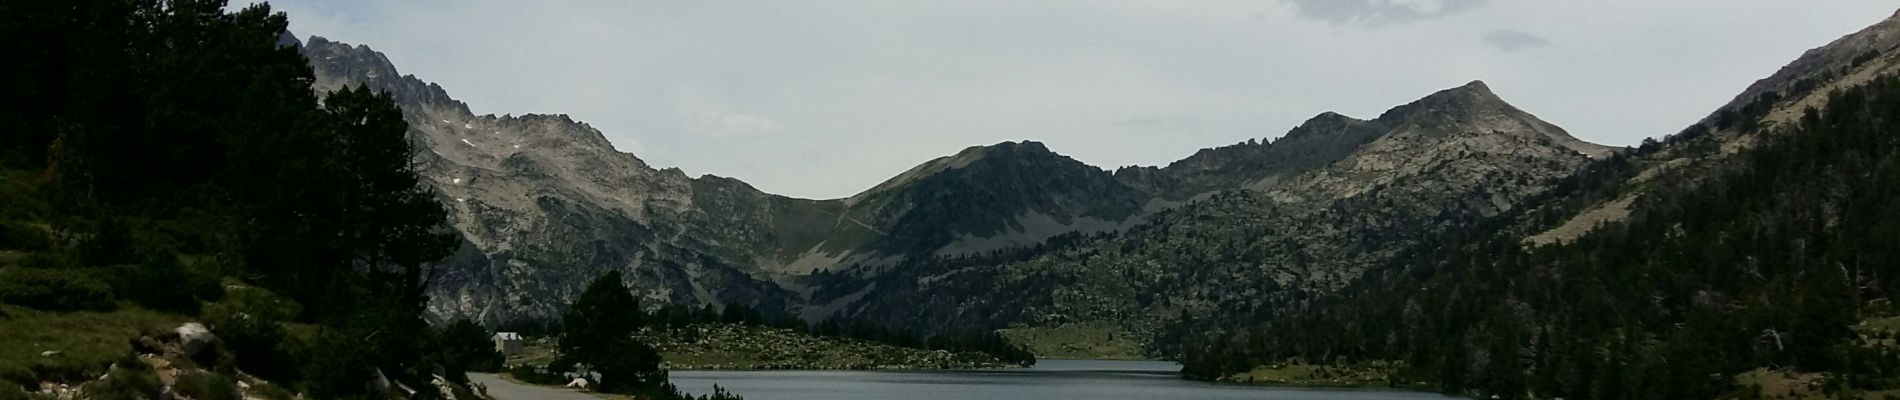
point(728, 125)
point(1375, 13)
point(1169, 123)
point(1511, 41)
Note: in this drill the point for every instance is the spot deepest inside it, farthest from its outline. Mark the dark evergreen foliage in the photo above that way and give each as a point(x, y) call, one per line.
point(598, 335)
point(1765, 260)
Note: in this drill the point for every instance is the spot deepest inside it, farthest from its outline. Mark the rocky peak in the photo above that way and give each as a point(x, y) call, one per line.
point(337, 64)
point(1449, 105)
point(1473, 109)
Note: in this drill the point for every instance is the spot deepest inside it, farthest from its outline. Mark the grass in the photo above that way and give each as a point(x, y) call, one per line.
point(1089, 341)
point(1291, 374)
point(85, 342)
point(1889, 324)
point(1763, 383)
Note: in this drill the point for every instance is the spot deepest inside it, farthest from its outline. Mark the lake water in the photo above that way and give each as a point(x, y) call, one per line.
point(1049, 379)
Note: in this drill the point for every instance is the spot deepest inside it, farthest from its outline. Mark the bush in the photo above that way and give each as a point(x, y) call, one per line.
point(466, 347)
point(110, 244)
point(130, 379)
point(537, 375)
point(206, 386)
point(17, 376)
point(269, 391)
point(54, 289)
point(258, 344)
point(161, 283)
point(16, 235)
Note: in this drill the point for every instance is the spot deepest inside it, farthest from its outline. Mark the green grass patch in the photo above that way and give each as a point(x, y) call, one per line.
point(1888, 324)
point(1089, 341)
point(86, 342)
point(1294, 374)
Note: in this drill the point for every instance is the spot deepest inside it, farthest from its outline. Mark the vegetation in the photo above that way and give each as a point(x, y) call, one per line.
point(81, 344)
point(1089, 341)
point(599, 338)
point(732, 346)
point(160, 152)
point(683, 319)
point(1766, 261)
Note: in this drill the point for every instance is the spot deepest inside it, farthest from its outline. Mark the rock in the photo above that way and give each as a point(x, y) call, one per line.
point(194, 337)
point(378, 384)
point(442, 386)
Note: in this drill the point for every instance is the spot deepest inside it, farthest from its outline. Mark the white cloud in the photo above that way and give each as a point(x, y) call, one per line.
point(1380, 12)
point(728, 125)
point(1510, 41)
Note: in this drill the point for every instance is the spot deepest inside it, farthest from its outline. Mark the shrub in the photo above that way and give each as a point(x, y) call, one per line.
point(161, 283)
point(269, 391)
point(206, 386)
point(17, 376)
point(54, 289)
point(129, 379)
point(537, 375)
point(465, 347)
point(16, 235)
point(110, 244)
point(258, 345)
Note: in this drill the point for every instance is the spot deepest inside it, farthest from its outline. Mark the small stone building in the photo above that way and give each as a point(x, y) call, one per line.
point(508, 343)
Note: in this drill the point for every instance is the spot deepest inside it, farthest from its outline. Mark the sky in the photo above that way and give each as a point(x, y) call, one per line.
point(824, 98)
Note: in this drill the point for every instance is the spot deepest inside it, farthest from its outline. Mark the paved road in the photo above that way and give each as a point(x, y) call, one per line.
point(502, 389)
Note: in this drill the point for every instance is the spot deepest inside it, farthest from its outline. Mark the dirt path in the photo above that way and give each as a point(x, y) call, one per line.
point(502, 389)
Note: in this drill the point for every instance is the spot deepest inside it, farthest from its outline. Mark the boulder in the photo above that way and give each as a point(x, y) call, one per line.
point(193, 338)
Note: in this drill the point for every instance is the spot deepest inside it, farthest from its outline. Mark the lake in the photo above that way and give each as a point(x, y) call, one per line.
point(1049, 379)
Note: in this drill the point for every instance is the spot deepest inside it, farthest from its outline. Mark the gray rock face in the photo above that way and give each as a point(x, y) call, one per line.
point(194, 337)
point(545, 203)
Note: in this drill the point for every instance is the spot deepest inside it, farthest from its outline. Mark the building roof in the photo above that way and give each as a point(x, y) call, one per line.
point(507, 336)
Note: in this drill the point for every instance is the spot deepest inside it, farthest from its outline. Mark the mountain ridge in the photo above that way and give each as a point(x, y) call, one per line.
point(543, 201)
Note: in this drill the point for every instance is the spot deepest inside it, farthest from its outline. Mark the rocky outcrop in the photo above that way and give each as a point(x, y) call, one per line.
point(545, 203)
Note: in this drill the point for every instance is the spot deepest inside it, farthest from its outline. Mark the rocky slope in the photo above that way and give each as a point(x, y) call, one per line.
point(1300, 227)
point(544, 203)
point(1764, 107)
point(1728, 260)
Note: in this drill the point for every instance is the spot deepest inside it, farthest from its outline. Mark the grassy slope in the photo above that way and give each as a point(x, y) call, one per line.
point(1088, 341)
point(1793, 385)
point(87, 342)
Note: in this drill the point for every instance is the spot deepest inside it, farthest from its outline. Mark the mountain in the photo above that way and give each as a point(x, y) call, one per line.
point(1302, 216)
point(543, 203)
point(1751, 248)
